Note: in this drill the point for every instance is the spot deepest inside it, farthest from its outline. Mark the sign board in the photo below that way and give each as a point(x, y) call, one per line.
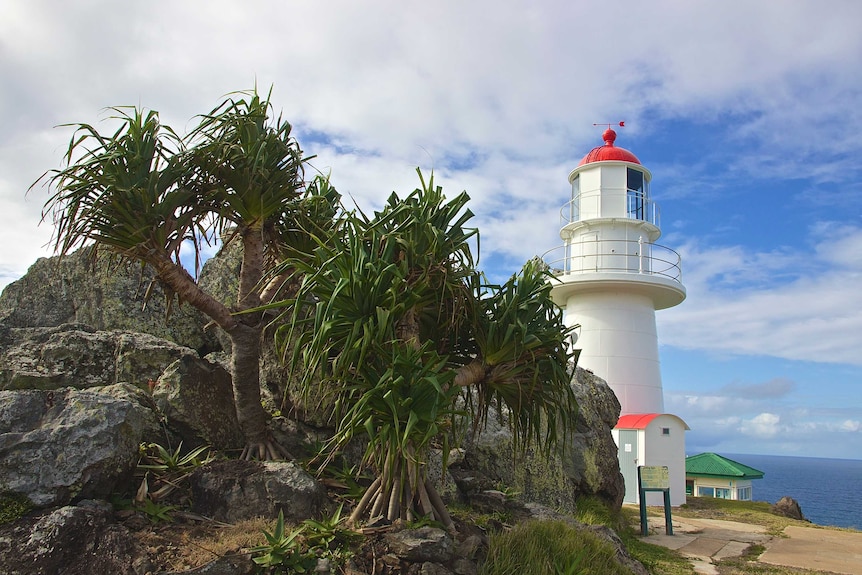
point(655, 477)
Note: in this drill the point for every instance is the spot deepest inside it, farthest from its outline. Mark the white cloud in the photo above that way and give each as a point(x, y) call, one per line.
point(851, 425)
point(763, 425)
point(795, 304)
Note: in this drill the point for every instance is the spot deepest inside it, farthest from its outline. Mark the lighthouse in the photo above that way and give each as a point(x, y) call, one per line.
point(610, 278)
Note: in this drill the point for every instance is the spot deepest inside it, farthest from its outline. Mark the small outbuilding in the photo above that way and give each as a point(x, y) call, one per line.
point(712, 475)
point(652, 439)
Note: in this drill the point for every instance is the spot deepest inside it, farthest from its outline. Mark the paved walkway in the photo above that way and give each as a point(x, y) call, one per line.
point(705, 541)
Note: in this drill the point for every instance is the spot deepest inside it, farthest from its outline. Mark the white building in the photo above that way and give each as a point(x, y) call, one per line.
point(655, 439)
point(611, 278)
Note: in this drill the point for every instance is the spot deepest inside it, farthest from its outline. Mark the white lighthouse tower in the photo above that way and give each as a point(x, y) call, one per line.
point(611, 279)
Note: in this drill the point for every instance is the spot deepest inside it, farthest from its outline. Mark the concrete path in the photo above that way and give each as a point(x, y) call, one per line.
point(706, 541)
point(811, 548)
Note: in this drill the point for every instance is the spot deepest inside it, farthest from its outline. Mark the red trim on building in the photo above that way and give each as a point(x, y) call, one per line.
point(635, 420)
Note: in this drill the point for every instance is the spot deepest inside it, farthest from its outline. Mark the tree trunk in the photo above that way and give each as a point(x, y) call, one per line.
point(245, 373)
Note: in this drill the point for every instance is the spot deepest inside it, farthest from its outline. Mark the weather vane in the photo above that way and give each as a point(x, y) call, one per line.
point(621, 124)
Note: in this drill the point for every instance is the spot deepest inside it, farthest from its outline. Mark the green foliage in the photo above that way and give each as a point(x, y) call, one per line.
point(164, 460)
point(549, 548)
point(398, 322)
point(13, 506)
point(657, 559)
point(297, 551)
point(328, 536)
point(156, 512)
point(163, 471)
point(283, 551)
point(591, 510)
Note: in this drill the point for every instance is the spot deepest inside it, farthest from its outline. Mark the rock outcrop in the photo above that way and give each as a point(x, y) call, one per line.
point(73, 540)
point(788, 507)
point(103, 294)
point(75, 355)
point(586, 465)
point(234, 490)
point(87, 373)
point(63, 445)
point(196, 398)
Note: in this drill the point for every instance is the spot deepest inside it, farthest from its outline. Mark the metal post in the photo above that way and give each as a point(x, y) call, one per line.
point(640, 254)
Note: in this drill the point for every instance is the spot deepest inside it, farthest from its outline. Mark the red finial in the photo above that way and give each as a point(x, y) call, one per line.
point(609, 136)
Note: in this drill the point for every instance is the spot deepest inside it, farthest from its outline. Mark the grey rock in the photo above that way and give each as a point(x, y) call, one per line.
point(429, 568)
point(67, 444)
point(788, 507)
point(74, 355)
point(196, 397)
point(234, 490)
point(426, 544)
point(586, 465)
point(71, 541)
point(102, 294)
point(463, 566)
point(241, 565)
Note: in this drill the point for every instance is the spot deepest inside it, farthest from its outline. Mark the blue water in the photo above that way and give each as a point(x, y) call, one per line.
point(829, 491)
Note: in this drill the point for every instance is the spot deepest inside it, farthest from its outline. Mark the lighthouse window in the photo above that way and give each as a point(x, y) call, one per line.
point(575, 204)
point(635, 195)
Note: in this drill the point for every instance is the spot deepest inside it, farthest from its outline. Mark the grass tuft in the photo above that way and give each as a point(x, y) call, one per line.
point(549, 548)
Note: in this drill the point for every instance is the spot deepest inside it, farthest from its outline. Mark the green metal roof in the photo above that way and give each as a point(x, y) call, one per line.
point(714, 465)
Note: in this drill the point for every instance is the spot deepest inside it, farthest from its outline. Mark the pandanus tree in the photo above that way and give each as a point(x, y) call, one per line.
point(397, 320)
point(145, 194)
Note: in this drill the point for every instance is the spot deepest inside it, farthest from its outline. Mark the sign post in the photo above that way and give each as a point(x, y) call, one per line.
point(654, 478)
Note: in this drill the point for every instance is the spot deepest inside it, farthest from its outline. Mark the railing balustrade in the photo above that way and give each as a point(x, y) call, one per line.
point(621, 256)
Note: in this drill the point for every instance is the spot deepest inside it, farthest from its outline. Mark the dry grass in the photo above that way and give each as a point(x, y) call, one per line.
point(178, 546)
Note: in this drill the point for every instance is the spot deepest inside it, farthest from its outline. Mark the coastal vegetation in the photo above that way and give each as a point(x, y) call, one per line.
point(145, 194)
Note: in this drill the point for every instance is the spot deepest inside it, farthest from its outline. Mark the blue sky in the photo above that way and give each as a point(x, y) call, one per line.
point(747, 113)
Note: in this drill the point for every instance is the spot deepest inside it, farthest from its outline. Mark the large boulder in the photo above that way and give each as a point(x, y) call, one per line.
point(788, 507)
point(196, 397)
point(59, 446)
point(74, 355)
point(586, 465)
point(79, 540)
point(104, 294)
point(234, 490)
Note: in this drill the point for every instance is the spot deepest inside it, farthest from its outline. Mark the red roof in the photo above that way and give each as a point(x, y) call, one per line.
point(636, 420)
point(642, 420)
point(609, 151)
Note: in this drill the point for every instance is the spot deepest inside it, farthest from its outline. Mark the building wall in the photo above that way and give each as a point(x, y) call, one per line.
point(655, 448)
point(619, 344)
point(667, 449)
point(733, 488)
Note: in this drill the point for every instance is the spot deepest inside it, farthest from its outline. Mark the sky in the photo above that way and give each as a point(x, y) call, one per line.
point(747, 113)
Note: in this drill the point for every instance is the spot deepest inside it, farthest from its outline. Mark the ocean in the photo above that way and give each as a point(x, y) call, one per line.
point(828, 490)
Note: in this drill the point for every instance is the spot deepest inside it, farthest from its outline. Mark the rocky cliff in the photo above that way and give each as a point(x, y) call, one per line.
point(90, 368)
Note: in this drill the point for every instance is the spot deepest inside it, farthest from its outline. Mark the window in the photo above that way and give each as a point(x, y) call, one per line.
point(722, 493)
point(743, 493)
point(665, 430)
point(635, 195)
point(575, 204)
point(706, 492)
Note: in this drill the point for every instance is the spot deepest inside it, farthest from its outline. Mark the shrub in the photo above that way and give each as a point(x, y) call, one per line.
point(550, 548)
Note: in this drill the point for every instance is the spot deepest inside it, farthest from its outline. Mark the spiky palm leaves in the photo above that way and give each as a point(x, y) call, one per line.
point(143, 192)
point(398, 318)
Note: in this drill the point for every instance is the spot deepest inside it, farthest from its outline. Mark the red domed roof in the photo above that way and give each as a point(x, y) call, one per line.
point(609, 151)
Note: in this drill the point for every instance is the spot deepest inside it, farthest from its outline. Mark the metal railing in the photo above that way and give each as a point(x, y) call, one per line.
point(620, 256)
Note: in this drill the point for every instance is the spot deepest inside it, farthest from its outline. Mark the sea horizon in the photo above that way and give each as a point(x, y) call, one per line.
point(824, 487)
